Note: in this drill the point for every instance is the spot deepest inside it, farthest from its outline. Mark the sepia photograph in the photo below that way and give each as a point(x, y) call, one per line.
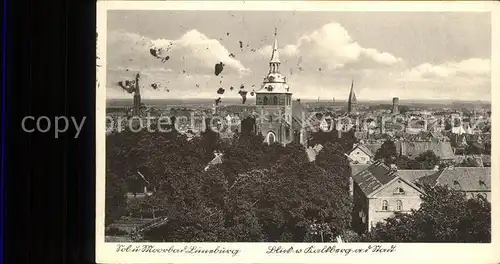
point(311, 126)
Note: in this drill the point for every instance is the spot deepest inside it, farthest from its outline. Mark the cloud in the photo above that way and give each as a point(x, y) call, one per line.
point(470, 68)
point(197, 50)
point(331, 47)
point(193, 51)
point(466, 79)
point(189, 71)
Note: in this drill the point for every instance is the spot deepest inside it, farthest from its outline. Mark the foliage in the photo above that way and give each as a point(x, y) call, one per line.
point(468, 162)
point(473, 149)
point(405, 163)
point(387, 152)
point(445, 215)
point(487, 148)
point(345, 141)
point(114, 231)
point(259, 193)
point(428, 160)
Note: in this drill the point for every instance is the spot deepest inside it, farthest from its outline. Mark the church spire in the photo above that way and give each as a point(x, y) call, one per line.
point(352, 103)
point(274, 63)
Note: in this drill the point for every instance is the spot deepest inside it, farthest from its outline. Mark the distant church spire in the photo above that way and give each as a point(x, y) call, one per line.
point(351, 105)
point(274, 63)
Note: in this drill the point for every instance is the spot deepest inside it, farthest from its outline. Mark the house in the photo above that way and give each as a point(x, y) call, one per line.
point(471, 180)
point(461, 158)
point(379, 191)
point(360, 154)
point(412, 149)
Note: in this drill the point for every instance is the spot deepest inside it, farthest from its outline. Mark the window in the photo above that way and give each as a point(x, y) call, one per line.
point(275, 100)
point(399, 191)
point(265, 100)
point(399, 205)
point(384, 205)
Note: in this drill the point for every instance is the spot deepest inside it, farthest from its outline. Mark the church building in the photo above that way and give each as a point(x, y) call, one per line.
point(274, 104)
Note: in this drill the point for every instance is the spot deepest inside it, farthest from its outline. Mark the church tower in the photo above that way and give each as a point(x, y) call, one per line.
point(274, 103)
point(137, 97)
point(352, 104)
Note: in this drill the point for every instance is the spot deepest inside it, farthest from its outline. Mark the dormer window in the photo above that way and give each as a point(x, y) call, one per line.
point(270, 88)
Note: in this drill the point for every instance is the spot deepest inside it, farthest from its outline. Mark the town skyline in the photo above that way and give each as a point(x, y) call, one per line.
point(319, 58)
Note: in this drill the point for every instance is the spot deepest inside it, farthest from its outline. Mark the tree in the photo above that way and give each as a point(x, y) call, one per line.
point(405, 163)
point(260, 192)
point(473, 149)
point(299, 192)
point(469, 162)
point(445, 215)
point(387, 152)
point(346, 140)
point(428, 160)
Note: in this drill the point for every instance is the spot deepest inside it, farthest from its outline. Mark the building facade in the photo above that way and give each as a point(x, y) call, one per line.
point(379, 191)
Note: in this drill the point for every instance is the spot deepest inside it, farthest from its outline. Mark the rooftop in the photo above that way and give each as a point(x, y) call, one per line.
point(462, 178)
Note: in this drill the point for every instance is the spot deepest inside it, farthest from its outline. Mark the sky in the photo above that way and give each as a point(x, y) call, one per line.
point(410, 55)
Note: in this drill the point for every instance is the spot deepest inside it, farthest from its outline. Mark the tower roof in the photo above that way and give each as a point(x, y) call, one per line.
point(274, 82)
point(275, 57)
point(352, 95)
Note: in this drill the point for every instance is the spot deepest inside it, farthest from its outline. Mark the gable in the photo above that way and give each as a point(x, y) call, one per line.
point(358, 155)
point(389, 189)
